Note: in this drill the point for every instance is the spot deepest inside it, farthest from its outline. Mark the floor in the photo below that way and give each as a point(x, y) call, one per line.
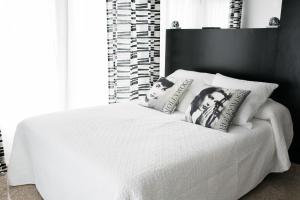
point(274, 187)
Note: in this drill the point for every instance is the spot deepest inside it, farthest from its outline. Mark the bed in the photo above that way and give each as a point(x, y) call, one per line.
point(129, 152)
point(126, 151)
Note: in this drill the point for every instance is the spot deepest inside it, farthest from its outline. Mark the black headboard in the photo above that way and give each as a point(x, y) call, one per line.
point(245, 53)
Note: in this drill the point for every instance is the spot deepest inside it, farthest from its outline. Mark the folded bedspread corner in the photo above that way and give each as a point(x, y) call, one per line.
point(19, 168)
point(281, 121)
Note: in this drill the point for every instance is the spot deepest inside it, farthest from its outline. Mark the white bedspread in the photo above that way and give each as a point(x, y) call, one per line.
point(129, 152)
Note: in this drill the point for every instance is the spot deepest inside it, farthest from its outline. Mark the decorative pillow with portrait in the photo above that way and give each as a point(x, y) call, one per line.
point(165, 94)
point(215, 107)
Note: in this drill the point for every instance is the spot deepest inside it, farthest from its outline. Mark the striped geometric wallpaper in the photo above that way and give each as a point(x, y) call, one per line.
point(236, 8)
point(133, 28)
point(3, 167)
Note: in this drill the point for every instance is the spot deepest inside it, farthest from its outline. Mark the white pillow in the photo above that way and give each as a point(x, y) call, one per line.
point(200, 79)
point(260, 92)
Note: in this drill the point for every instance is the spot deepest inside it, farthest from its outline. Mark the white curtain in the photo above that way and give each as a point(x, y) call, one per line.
point(52, 57)
point(87, 53)
point(29, 77)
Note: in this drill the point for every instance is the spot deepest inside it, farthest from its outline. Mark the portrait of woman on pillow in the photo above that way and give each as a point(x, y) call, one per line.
point(158, 89)
point(207, 106)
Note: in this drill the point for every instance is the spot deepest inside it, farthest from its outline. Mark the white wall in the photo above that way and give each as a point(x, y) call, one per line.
point(196, 13)
point(257, 13)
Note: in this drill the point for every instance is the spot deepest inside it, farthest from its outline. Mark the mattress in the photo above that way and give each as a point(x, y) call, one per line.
point(129, 152)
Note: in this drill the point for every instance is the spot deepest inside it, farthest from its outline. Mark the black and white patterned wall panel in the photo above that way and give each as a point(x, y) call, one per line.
point(3, 168)
point(133, 29)
point(236, 7)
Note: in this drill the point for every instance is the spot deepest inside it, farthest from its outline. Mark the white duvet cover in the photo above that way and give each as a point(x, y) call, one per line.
point(129, 152)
